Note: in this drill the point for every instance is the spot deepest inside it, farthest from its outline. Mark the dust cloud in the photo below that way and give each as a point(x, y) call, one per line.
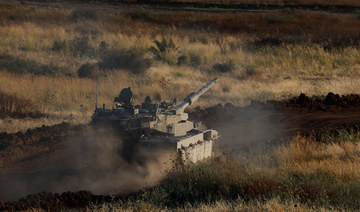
point(245, 128)
point(94, 163)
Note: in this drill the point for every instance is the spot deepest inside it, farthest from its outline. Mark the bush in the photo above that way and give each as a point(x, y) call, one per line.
point(193, 60)
point(229, 66)
point(82, 47)
point(21, 66)
point(142, 14)
point(79, 14)
point(166, 51)
point(182, 60)
point(88, 70)
point(270, 19)
point(59, 45)
point(103, 47)
point(131, 60)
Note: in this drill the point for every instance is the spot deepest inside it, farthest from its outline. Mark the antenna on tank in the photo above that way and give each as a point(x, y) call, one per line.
point(96, 103)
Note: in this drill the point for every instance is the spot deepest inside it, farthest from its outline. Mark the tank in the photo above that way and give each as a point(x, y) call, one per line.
point(159, 126)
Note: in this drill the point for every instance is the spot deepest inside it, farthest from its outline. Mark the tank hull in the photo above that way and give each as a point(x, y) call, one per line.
point(196, 145)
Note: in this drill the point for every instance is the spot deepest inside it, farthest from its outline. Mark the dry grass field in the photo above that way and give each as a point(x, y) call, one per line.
point(52, 58)
point(282, 2)
point(302, 175)
point(261, 56)
point(232, 3)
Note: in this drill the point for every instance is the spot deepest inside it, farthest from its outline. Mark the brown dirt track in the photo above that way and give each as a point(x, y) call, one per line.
point(239, 127)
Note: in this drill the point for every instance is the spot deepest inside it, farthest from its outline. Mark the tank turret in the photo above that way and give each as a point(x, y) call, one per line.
point(159, 125)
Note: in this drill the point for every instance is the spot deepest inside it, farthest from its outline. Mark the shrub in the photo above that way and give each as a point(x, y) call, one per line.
point(226, 88)
point(59, 45)
point(193, 60)
point(166, 50)
point(103, 47)
point(269, 41)
point(82, 47)
point(22, 66)
point(79, 14)
point(88, 70)
point(182, 60)
point(131, 60)
point(142, 14)
point(229, 66)
point(270, 19)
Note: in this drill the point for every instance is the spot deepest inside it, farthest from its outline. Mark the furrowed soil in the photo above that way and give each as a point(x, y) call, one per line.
point(43, 159)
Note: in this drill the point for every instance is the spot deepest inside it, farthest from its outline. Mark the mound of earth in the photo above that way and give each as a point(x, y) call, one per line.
point(18, 147)
point(330, 102)
point(306, 105)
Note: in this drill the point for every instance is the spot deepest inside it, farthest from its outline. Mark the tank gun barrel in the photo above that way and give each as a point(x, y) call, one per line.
point(193, 97)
